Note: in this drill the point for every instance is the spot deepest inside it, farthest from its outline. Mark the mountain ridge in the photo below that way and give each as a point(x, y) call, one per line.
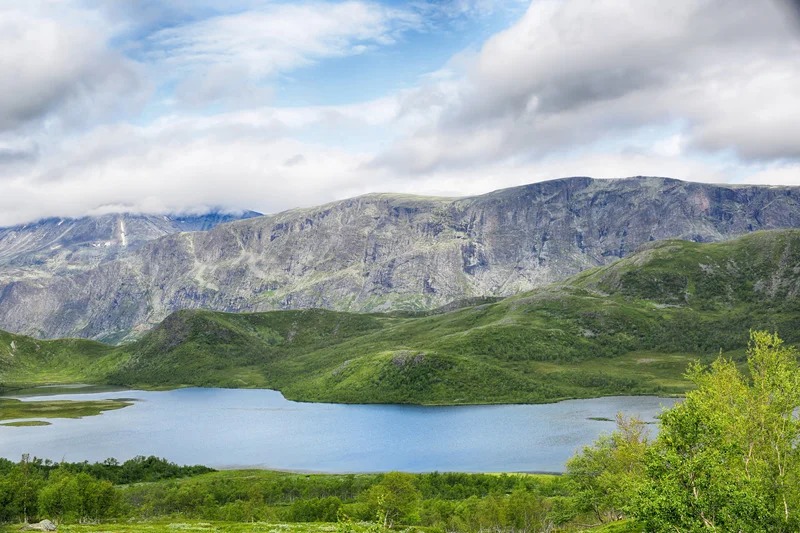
point(630, 327)
point(384, 252)
point(52, 245)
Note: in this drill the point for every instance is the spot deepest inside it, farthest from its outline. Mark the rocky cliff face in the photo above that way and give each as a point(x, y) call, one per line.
point(60, 245)
point(382, 252)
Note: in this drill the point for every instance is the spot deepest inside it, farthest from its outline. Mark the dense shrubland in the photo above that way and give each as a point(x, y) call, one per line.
point(77, 491)
point(150, 488)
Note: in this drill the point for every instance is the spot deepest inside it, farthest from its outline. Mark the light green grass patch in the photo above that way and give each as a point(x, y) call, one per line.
point(11, 409)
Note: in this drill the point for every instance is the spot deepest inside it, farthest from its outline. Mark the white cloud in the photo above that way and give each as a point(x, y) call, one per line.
point(253, 160)
point(775, 174)
point(55, 66)
point(702, 90)
point(483, 179)
point(571, 73)
point(178, 165)
point(220, 53)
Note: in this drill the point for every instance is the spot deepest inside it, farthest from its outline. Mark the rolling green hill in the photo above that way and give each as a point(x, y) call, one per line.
point(626, 328)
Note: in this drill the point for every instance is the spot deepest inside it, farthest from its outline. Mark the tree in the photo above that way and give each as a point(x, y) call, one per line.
point(24, 482)
point(528, 511)
point(59, 498)
point(97, 499)
point(604, 476)
point(394, 497)
point(727, 457)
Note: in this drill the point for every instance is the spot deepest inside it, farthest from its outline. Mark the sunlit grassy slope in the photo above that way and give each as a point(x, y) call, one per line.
point(627, 328)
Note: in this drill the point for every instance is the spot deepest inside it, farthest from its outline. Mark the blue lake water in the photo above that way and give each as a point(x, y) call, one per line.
point(226, 428)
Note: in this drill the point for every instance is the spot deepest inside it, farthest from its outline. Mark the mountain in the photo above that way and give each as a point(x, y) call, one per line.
point(56, 246)
point(384, 252)
point(630, 327)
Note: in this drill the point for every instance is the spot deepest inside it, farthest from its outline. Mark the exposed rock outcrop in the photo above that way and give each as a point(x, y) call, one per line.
point(60, 245)
point(44, 525)
point(381, 252)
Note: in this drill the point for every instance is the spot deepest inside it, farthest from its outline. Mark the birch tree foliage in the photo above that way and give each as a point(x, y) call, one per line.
point(603, 476)
point(727, 458)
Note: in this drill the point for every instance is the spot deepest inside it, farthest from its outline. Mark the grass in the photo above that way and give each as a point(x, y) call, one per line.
point(15, 409)
point(176, 526)
point(622, 526)
point(30, 423)
point(627, 328)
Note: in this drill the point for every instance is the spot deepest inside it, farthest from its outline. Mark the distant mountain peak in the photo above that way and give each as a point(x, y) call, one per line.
point(56, 244)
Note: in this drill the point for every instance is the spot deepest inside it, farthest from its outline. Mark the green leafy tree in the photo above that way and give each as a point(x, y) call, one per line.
point(394, 498)
point(24, 482)
point(59, 498)
point(97, 499)
point(8, 509)
point(727, 457)
point(68, 496)
point(604, 476)
point(528, 512)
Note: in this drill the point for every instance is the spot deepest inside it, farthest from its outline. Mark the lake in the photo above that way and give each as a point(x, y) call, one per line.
point(229, 428)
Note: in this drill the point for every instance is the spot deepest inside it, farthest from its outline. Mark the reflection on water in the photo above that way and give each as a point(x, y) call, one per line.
point(227, 428)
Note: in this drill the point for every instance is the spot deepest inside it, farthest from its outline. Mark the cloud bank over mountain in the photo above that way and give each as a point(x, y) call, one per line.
point(175, 106)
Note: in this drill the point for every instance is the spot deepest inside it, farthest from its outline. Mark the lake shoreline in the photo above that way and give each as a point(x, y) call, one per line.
point(12, 390)
point(236, 428)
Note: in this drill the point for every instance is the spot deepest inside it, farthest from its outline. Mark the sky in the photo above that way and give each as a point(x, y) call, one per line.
point(181, 106)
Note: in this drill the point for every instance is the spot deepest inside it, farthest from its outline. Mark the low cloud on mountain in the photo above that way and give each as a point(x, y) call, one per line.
point(170, 106)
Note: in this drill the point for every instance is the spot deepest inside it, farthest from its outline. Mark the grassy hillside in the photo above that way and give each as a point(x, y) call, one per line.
point(627, 328)
point(58, 361)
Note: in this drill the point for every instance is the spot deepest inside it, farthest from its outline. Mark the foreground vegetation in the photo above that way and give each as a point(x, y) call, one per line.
point(152, 494)
point(628, 328)
point(726, 459)
point(199, 526)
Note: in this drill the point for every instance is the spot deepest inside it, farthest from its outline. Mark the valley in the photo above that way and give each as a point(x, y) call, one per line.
point(627, 328)
point(387, 266)
point(477, 378)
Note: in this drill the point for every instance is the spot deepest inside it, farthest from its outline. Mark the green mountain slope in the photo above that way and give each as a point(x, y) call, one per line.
point(626, 328)
point(33, 361)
